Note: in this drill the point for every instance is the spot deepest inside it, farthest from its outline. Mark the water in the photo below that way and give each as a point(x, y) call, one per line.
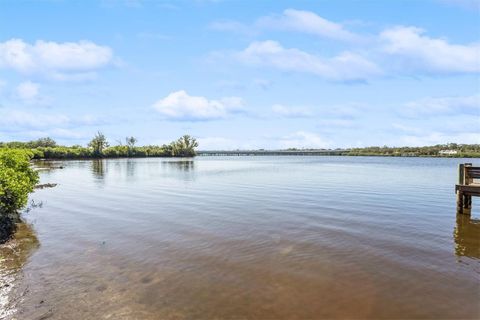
point(247, 238)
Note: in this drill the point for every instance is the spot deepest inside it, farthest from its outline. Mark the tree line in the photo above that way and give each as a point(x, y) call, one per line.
point(99, 147)
point(439, 150)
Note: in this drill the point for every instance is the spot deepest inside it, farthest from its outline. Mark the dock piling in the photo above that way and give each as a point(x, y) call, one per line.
point(466, 187)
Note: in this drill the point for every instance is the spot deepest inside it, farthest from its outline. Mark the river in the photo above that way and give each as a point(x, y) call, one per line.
point(285, 237)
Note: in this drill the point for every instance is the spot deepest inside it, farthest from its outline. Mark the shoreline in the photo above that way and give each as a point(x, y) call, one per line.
point(247, 154)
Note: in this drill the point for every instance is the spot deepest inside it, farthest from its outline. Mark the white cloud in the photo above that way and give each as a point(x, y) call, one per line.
point(396, 50)
point(443, 106)
point(18, 120)
point(73, 77)
point(221, 143)
point(307, 22)
point(419, 52)
point(27, 91)
point(290, 20)
point(303, 140)
point(291, 112)
point(181, 106)
point(55, 60)
point(434, 138)
point(22, 119)
point(346, 66)
point(58, 133)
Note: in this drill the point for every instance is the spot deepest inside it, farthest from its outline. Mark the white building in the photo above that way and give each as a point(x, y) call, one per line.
point(447, 152)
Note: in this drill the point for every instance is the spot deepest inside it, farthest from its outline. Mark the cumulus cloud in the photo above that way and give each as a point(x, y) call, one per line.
point(52, 59)
point(27, 91)
point(307, 22)
point(304, 140)
point(396, 50)
point(291, 112)
point(179, 105)
point(301, 21)
point(420, 52)
point(436, 106)
point(346, 66)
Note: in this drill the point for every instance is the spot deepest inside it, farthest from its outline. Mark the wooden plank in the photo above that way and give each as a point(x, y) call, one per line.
point(473, 190)
point(473, 172)
point(461, 172)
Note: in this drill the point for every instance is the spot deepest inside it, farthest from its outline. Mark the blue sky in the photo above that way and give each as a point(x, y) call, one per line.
point(242, 74)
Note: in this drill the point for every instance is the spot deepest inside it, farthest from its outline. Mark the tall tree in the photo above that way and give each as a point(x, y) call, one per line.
point(98, 143)
point(184, 146)
point(130, 141)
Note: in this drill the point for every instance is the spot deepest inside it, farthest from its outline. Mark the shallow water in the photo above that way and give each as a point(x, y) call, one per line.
point(248, 238)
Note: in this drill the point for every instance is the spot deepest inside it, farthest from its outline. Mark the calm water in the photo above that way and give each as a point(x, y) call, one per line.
point(245, 238)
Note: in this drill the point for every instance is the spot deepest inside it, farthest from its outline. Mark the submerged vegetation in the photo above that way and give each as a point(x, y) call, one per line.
point(98, 147)
point(17, 180)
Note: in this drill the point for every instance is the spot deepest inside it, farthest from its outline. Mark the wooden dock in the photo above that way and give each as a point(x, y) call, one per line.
point(467, 187)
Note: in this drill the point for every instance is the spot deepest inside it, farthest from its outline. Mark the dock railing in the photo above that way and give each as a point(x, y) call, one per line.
point(467, 187)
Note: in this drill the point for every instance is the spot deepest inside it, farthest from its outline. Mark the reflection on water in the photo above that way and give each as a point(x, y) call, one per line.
point(181, 165)
point(467, 236)
point(183, 169)
point(13, 256)
point(251, 238)
point(130, 167)
point(99, 168)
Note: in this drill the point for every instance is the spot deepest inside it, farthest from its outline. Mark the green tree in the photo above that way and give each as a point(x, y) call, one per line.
point(43, 142)
point(184, 146)
point(98, 144)
point(130, 141)
point(17, 179)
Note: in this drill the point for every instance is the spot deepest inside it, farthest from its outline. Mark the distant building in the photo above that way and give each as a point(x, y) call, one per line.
point(448, 152)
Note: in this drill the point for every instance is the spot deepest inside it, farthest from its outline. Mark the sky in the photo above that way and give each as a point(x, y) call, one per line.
point(242, 74)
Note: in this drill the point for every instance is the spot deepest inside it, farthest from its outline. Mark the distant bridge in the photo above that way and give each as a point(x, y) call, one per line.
point(337, 152)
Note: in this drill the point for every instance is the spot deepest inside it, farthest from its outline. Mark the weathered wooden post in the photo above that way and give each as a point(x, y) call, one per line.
point(461, 173)
point(467, 199)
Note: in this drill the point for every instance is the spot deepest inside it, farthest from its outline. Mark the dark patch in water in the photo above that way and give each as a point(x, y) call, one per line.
point(45, 185)
point(7, 228)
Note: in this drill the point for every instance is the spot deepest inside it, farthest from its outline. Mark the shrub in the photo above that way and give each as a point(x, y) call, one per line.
point(17, 180)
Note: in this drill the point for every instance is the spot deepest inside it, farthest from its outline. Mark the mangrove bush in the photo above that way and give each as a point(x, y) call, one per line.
point(98, 147)
point(17, 180)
